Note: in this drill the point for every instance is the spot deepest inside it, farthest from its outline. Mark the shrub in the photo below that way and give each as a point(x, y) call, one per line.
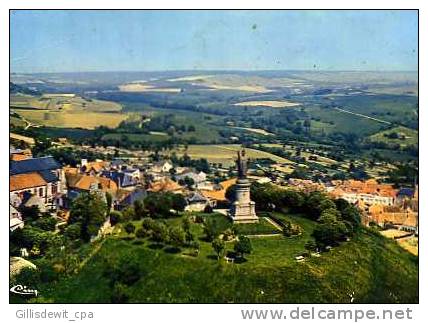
point(46, 223)
point(228, 234)
point(119, 294)
point(311, 246)
point(243, 246)
point(289, 229)
point(198, 219)
point(141, 233)
point(125, 270)
point(208, 209)
point(48, 273)
point(128, 214)
point(27, 276)
point(129, 227)
point(148, 224)
point(73, 231)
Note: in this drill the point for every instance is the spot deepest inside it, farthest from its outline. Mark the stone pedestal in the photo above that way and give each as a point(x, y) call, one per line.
point(243, 209)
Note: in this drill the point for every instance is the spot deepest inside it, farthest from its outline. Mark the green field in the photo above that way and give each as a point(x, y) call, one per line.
point(389, 108)
point(409, 136)
point(372, 267)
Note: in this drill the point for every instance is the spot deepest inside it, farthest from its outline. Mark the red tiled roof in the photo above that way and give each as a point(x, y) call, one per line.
point(24, 181)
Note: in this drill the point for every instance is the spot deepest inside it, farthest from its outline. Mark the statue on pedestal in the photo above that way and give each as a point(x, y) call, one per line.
point(242, 164)
point(243, 209)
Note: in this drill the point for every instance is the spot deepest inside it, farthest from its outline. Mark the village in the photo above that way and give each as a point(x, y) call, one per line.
point(45, 183)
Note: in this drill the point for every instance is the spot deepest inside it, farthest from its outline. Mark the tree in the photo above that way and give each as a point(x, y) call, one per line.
point(349, 213)
point(160, 233)
point(185, 224)
point(129, 227)
point(330, 215)
point(178, 202)
point(46, 223)
point(73, 231)
point(330, 233)
point(243, 246)
point(189, 182)
point(30, 212)
point(218, 246)
point(138, 210)
point(177, 236)
point(214, 226)
point(115, 217)
point(89, 210)
point(317, 202)
point(292, 199)
point(109, 201)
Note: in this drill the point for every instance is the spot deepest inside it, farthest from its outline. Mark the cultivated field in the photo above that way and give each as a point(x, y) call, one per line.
point(142, 87)
point(226, 154)
point(256, 130)
point(59, 102)
point(67, 111)
point(72, 119)
point(271, 104)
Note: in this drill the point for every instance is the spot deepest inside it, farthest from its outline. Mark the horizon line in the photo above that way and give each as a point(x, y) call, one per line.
point(214, 70)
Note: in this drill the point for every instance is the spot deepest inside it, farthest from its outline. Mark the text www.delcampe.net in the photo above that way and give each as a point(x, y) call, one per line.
point(313, 313)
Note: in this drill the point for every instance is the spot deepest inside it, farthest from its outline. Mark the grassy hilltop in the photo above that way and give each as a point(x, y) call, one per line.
point(370, 267)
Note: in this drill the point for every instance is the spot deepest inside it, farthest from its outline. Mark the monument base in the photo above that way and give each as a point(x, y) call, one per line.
point(243, 212)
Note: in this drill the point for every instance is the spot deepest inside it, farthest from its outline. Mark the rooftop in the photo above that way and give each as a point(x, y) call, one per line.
point(33, 165)
point(25, 181)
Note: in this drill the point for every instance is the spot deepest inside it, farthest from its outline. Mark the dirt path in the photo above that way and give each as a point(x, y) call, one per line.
point(276, 225)
point(362, 115)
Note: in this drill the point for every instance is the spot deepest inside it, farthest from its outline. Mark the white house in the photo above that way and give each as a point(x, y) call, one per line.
point(15, 219)
point(162, 167)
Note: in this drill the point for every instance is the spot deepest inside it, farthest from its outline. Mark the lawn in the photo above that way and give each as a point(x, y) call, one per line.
point(372, 267)
point(262, 227)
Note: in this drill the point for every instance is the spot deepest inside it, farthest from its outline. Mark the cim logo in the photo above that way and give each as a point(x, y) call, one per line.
point(24, 290)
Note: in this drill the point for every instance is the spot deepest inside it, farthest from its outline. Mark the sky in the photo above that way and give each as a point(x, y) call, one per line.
point(78, 41)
